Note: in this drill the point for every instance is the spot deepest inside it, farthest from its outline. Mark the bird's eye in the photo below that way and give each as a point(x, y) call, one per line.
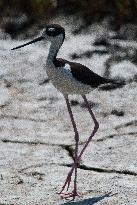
point(51, 29)
point(54, 30)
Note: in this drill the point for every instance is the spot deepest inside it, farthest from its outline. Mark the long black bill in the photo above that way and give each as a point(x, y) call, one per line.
point(33, 41)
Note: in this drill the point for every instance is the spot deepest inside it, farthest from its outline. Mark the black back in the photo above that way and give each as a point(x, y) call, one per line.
point(82, 73)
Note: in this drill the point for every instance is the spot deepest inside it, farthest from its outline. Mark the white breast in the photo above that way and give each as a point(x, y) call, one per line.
point(63, 80)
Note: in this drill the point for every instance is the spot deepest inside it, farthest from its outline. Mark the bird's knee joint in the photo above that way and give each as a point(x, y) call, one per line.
point(96, 125)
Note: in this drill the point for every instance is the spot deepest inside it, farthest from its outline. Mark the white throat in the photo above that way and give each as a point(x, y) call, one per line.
point(54, 47)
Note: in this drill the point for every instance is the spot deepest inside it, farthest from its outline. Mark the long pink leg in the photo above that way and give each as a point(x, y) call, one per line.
point(95, 127)
point(86, 144)
point(68, 180)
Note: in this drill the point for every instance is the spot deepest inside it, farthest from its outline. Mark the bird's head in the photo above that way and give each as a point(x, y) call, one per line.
point(53, 33)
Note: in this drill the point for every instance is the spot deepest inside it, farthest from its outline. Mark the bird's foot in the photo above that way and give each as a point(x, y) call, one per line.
point(72, 194)
point(68, 180)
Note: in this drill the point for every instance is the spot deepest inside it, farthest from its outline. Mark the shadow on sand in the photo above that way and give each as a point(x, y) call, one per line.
point(89, 201)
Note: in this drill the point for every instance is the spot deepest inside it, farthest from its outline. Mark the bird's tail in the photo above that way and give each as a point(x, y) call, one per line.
point(112, 84)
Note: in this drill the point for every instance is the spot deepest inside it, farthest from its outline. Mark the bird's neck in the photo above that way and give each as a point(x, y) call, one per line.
point(54, 48)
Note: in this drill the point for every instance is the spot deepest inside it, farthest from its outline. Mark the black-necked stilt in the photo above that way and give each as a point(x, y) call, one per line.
point(69, 78)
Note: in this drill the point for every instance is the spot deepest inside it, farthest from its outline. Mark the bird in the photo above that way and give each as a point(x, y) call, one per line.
point(70, 78)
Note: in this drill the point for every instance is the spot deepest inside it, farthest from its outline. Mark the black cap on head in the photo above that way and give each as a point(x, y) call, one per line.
point(55, 30)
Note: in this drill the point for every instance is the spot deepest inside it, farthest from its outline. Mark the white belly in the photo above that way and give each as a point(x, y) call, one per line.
point(63, 80)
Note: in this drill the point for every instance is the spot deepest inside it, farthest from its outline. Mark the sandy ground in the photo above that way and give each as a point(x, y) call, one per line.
point(36, 136)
